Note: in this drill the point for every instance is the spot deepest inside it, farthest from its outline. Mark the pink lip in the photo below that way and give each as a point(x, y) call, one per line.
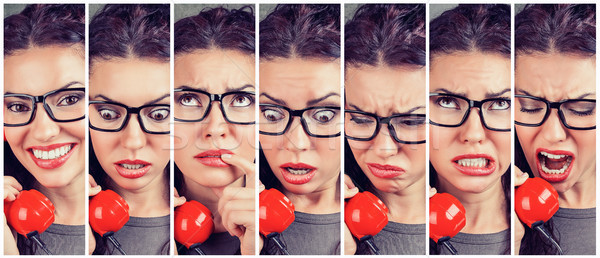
point(132, 173)
point(385, 171)
point(475, 171)
point(297, 179)
point(51, 163)
point(212, 158)
point(554, 177)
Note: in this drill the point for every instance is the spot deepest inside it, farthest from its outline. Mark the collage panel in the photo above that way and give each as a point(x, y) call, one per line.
point(555, 129)
point(384, 124)
point(129, 114)
point(44, 150)
point(470, 129)
point(300, 128)
point(214, 112)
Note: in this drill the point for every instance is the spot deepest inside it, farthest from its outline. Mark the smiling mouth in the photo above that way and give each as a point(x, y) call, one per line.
point(554, 163)
point(52, 154)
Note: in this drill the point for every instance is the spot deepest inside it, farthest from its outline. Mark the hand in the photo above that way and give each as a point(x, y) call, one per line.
point(11, 190)
point(520, 178)
point(432, 191)
point(179, 200)
point(350, 190)
point(94, 189)
point(236, 205)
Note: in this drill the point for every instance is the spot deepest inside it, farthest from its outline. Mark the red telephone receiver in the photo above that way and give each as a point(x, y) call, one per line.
point(536, 201)
point(30, 215)
point(365, 215)
point(276, 213)
point(108, 213)
point(193, 225)
point(446, 219)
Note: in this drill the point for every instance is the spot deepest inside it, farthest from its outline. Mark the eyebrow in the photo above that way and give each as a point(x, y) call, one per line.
point(487, 95)
point(228, 89)
point(582, 96)
point(154, 101)
point(308, 103)
point(63, 87)
point(393, 114)
point(276, 100)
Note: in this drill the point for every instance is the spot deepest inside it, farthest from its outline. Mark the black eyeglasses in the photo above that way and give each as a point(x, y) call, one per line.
point(576, 114)
point(64, 105)
point(404, 128)
point(108, 116)
point(194, 105)
point(320, 122)
point(451, 110)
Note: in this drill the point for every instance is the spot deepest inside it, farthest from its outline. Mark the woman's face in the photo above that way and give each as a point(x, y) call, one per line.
point(37, 71)
point(557, 77)
point(470, 158)
point(387, 91)
point(303, 164)
point(197, 144)
point(133, 159)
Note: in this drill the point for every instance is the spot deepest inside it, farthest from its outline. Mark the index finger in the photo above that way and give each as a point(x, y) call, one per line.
point(245, 165)
point(520, 176)
point(348, 182)
point(13, 182)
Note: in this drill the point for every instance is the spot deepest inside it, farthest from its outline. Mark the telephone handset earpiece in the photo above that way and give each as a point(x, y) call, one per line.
point(276, 213)
point(30, 215)
point(365, 215)
point(193, 225)
point(446, 219)
point(536, 201)
point(108, 214)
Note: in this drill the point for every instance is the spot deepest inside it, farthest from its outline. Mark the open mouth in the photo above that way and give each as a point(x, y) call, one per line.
point(554, 165)
point(297, 173)
point(475, 164)
point(51, 156)
point(132, 168)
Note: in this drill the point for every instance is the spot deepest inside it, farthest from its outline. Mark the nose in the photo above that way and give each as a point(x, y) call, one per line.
point(133, 137)
point(296, 137)
point(43, 128)
point(472, 130)
point(552, 129)
point(384, 145)
point(216, 125)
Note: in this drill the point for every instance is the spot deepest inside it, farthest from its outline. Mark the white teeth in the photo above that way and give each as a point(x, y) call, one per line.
point(52, 154)
point(555, 171)
point(134, 166)
point(298, 171)
point(552, 156)
point(478, 162)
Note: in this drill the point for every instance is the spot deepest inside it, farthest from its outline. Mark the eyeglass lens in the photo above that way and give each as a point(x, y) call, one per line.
point(63, 106)
point(112, 117)
point(193, 106)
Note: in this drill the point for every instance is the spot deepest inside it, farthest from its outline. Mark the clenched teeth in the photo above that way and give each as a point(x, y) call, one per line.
point(132, 166)
point(298, 171)
point(52, 154)
point(478, 162)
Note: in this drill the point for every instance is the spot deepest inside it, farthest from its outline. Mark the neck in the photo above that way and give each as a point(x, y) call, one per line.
point(408, 205)
point(482, 209)
point(324, 201)
point(149, 201)
point(582, 195)
point(68, 201)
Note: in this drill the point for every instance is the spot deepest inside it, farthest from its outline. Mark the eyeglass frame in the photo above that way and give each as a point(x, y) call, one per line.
point(384, 120)
point(130, 110)
point(214, 97)
point(42, 99)
point(556, 105)
point(299, 113)
point(472, 104)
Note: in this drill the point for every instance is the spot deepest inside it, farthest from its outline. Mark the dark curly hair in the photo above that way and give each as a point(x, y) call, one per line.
point(472, 27)
point(39, 25)
point(546, 28)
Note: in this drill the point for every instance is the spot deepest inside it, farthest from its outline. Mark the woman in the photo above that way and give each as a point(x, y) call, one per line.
point(470, 121)
point(129, 121)
point(385, 81)
point(214, 133)
point(555, 63)
point(300, 76)
point(44, 144)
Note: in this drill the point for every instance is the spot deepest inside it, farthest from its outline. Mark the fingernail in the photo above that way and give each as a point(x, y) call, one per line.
point(524, 175)
point(226, 156)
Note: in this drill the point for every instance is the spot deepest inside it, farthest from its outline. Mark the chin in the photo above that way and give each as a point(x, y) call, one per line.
point(211, 177)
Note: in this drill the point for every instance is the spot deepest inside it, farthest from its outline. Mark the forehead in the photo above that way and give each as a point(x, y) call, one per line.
point(38, 70)
point(214, 70)
point(297, 80)
point(555, 76)
point(130, 81)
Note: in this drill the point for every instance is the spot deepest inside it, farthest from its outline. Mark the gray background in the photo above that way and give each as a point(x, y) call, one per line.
point(436, 9)
point(187, 10)
point(10, 9)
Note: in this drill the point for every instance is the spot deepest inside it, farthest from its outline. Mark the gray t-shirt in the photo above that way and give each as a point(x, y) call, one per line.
point(217, 244)
point(576, 230)
point(62, 240)
point(398, 239)
point(310, 234)
point(143, 236)
point(480, 244)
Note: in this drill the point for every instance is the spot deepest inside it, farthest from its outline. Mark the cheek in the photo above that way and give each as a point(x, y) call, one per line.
point(160, 146)
point(416, 155)
point(328, 150)
point(184, 136)
point(440, 138)
point(586, 145)
point(76, 130)
point(104, 144)
point(245, 138)
point(501, 142)
point(15, 136)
